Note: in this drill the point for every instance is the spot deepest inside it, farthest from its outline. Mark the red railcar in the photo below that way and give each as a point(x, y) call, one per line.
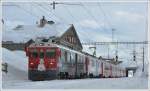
point(50, 61)
point(42, 62)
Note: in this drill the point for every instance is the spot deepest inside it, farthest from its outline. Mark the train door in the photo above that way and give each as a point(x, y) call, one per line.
point(102, 69)
point(110, 70)
point(76, 64)
point(41, 65)
point(86, 64)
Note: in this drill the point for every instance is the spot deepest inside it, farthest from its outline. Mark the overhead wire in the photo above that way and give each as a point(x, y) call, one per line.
point(25, 10)
point(105, 15)
point(42, 9)
point(73, 17)
point(51, 11)
point(92, 16)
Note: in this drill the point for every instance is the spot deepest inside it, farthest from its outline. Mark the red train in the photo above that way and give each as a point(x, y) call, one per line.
point(51, 61)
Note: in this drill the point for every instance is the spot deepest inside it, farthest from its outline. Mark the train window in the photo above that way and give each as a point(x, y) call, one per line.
point(93, 63)
point(106, 68)
point(79, 59)
point(65, 56)
point(68, 57)
point(42, 54)
point(50, 53)
point(72, 57)
point(83, 59)
point(34, 54)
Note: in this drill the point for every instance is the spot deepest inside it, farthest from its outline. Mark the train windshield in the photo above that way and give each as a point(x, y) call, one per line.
point(41, 54)
point(50, 53)
point(34, 53)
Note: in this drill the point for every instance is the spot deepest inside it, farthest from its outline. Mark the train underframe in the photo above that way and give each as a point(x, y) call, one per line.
point(36, 75)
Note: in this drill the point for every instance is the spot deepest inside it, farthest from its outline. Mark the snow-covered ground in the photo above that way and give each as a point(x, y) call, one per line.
point(17, 78)
point(114, 83)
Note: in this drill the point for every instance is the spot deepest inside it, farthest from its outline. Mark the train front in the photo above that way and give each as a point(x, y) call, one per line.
point(42, 61)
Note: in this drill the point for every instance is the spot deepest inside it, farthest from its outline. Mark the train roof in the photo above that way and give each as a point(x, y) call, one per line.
point(48, 44)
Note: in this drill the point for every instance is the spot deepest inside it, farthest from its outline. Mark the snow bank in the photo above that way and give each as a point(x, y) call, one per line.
point(17, 59)
point(139, 72)
point(17, 65)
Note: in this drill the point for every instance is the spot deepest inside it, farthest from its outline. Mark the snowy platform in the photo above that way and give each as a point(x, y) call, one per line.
point(108, 83)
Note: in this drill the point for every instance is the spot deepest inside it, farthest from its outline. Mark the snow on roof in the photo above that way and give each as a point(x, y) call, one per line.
point(23, 33)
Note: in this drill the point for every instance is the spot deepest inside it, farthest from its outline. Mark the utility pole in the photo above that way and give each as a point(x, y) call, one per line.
point(93, 47)
point(143, 60)
point(134, 52)
point(113, 30)
point(116, 53)
point(108, 51)
point(134, 55)
point(53, 4)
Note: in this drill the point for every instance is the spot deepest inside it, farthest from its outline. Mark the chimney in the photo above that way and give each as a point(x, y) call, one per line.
point(2, 21)
point(43, 21)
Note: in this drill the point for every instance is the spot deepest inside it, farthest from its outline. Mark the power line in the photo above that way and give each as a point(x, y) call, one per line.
point(105, 15)
point(42, 9)
point(18, 6)
point(54, 4)
point(143, 60)
point(58, 17)
point(69, 12)
point(73, 17)
point(115, 43)
point(107, 20)
point(89, 13)
point(28, 11)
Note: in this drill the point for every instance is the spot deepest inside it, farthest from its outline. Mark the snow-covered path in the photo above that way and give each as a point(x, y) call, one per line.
point(114, 83)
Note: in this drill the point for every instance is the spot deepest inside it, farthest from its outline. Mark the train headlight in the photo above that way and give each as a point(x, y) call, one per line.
point(51, 63)
point(31, 63)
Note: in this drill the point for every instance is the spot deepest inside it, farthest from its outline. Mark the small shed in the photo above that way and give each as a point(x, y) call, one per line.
point(129, 70)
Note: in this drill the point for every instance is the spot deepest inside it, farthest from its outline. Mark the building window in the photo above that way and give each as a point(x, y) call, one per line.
point(74, 41)
point(70, 39)
point(65, 56)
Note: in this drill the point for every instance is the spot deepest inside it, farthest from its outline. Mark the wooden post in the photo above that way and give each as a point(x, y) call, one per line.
point(4, 67)
point(143, 60)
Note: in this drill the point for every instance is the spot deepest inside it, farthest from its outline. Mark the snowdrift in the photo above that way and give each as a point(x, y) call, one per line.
point(139, 72)
point(17, 65)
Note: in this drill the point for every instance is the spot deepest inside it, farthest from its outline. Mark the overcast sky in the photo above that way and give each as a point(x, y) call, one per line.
point(92, 20)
